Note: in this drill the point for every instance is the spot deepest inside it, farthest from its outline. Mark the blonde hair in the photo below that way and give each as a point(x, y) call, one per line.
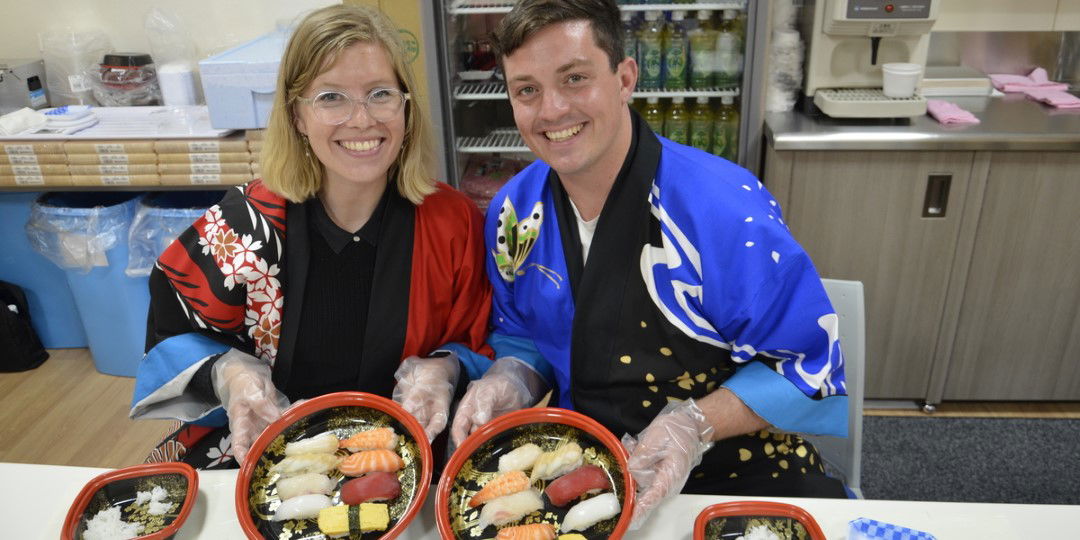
point(287, 165)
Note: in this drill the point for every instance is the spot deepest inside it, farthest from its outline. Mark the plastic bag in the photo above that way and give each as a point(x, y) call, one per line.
point(69, 54)
point(174, 53)
point(75, 235)
point(158, 221)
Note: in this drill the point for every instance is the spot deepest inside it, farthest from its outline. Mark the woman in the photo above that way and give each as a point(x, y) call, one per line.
point(346, 258)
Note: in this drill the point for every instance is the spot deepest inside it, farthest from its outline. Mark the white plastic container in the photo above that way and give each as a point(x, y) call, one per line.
point(239, 83)
point(900, 79)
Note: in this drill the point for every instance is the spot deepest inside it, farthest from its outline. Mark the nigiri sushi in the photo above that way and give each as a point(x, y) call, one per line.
point(373, 439)
point(305, 484)
point(376, 486)
point(584, 479)
point(535, 531)
point(323, 443)
point(563, 459)
point(506, 483)
point(306, 463)
point(502, 510)
point(520, 458)
point(371, 461)
point(589, 512)
point(302, 507)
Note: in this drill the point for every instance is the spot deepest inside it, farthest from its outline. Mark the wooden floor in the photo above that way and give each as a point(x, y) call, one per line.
point(66, 413)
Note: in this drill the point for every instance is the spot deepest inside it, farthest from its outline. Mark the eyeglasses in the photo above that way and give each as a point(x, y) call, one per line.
point(334, 108)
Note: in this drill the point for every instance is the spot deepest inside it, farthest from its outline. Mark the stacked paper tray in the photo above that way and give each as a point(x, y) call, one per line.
point(33, 163)
point(255, 139)
point(119, 162)
point(204, 162)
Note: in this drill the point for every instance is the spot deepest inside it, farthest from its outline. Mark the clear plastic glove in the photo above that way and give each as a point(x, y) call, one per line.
point(663, 454)
point(249, 396)
point(425, 387)
point(508, 385)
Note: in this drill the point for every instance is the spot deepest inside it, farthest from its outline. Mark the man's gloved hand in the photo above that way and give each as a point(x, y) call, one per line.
point(249, 396)
point(664, 452)
point(508, 385)
point(425, 387)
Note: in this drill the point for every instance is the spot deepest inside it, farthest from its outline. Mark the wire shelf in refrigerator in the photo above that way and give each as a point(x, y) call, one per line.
point(497, 90)
point(465, 7)
point(477, 91)
point(497, 140)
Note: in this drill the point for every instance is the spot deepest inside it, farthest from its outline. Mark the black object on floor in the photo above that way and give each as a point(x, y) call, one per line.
point(996, 460)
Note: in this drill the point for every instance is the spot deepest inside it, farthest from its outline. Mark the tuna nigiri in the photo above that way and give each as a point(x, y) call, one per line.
point(502, 510)
point(536, 531)
point(374, 439)
point(323, 443)
point(506, 483)
point(302, 507)
point(376, 486)
point(589, 512)
point(305, 484)
point(557, 462)
point(520, 458)
point(584, 479)
point(371, 461)
point(306, 463)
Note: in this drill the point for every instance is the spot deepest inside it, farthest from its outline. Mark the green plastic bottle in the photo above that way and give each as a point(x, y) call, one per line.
point(630, 47)
point(702, 52)
point(650, 52)
point(675, 53)
point(726, 130)
point(677, 122)
point(729, 51)
point(701, 125)
point(654, 115)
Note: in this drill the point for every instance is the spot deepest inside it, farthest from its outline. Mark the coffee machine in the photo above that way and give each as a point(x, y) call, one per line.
point(849, 41)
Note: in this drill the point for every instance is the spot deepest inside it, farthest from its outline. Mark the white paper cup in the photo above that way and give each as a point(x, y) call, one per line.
point(899, 79)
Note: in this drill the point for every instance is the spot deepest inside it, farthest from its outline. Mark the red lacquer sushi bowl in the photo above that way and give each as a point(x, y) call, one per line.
point(119, 487)
point(344, 413)
point(547, 427)
point(724, 520)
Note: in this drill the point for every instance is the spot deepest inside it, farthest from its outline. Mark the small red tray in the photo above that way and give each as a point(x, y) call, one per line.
point(754, 509)
point(121, 485)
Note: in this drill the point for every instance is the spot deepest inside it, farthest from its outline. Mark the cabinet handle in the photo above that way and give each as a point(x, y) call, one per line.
point(937, 195)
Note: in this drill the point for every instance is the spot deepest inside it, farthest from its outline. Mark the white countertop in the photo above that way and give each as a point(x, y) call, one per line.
point(35, 498)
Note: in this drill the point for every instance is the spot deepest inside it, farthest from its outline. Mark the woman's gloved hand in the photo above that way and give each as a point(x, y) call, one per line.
point(663, 454)
point(249, 396)
point(508, 385)
point(425, 387)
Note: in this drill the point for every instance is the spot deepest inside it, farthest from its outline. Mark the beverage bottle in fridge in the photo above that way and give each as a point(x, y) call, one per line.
point(630, 42)
point(726, 130)
point(653, 114)
point(702, 52)
point(468, 50)
point(701, 125)
point(675, 54)
point(729, 51)
point(651, 52)
point(677, 122)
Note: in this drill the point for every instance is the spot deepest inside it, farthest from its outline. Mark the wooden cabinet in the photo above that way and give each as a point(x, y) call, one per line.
point(860, 216)
point(1018, 329)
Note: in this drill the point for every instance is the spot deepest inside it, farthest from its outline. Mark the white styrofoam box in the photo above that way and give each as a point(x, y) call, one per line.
point(239, 83)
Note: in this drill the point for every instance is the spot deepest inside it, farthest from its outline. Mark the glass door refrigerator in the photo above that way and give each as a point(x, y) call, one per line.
point(700, 83)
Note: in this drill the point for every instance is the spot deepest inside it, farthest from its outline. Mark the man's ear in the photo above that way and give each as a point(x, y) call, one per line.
point(627, 72)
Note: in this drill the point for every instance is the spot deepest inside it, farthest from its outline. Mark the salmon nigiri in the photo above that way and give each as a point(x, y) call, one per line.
point(373, 439)
point(371, 461)
point(536, 531)
point(506, 483)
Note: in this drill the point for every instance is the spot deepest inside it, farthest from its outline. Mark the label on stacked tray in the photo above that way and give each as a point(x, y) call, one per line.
point(32, 159)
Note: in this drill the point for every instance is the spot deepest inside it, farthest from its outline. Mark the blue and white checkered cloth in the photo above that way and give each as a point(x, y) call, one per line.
point(870, 529)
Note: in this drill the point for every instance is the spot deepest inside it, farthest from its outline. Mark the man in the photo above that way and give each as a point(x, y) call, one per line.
point(653, 286)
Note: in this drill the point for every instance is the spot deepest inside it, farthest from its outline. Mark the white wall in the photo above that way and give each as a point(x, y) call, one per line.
point(213, 25)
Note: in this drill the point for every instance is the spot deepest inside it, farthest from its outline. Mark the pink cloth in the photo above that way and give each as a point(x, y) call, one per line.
point(949, 113)
point(1037, 79)
point(1057, 98)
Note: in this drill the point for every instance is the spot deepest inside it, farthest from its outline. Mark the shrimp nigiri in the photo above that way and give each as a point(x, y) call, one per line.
point(536, 531)
point(506, 483)
point(557, 462)
point(371, 461)
point(374, 439)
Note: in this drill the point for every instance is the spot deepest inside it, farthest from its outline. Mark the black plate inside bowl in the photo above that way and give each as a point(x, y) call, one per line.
point(263, 500)
point(483, 465)
point(122, 493)
point(727, 527)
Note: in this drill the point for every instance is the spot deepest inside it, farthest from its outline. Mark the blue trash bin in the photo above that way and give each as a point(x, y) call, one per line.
point(86, 235)
point(159, 219)
point(52, 308)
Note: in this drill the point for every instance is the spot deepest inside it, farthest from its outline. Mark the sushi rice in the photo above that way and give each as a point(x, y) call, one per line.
point(107, 525)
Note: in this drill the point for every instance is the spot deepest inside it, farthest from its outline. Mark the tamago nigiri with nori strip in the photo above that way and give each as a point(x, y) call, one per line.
point(376, 486)
point(582, 480)
point(506, 483)
point(383, 438)
point(535, 531)
point(323, 443)
point(371, 461)
point(564, 458)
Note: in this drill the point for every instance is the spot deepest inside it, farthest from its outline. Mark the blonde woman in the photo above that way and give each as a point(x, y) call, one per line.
point(345, 267)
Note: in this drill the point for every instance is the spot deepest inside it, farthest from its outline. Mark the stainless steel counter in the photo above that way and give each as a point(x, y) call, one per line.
point(1012, 122)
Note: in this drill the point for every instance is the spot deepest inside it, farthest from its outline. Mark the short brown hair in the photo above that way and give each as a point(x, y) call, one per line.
point(287, 166)
point(530, 16)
